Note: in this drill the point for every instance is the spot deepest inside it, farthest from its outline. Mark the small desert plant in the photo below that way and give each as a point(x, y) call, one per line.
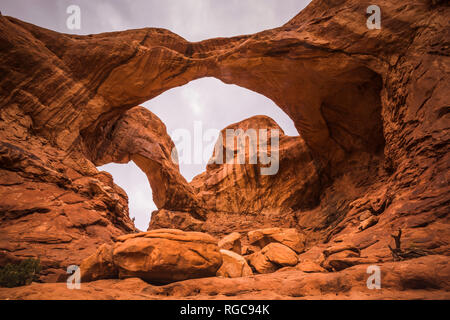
point(20, 274)
point(400, 254)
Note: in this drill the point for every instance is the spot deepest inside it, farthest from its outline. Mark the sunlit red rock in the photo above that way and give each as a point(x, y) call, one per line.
point(233, 265)
point(231, 242)
point(272, 257)
point(167, 255)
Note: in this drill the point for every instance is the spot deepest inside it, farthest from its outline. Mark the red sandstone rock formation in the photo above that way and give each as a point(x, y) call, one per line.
point(244, 196)
point(371, 107)
point(150, 147)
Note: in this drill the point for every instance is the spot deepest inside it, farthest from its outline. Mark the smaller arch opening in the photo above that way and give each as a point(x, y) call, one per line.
point(135, 183)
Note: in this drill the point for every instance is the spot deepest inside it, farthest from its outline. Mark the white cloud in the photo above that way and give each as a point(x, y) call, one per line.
point(135, 183)
point(110, 17)
point(191, 97)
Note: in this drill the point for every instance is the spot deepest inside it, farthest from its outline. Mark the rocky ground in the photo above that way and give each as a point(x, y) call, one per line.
point(372, 158)
point(420, 278)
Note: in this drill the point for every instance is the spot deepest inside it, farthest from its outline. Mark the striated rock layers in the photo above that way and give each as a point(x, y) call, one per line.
point(242, 197)
point(371, 107)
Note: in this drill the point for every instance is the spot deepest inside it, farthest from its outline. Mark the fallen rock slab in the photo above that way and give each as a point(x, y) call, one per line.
point(232, 242)
point(291, 238)
point(272, 257)
point(99, 265)
point(162, 219)
point(167, 255)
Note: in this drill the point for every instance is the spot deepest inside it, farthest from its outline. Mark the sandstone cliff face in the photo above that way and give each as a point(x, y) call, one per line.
point(371, 107)
point(241, 197)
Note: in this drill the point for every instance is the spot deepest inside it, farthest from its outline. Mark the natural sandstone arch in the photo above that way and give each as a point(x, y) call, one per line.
point(328, 95)
point(301, 76)
point(139, 136)
point(336, 108)
point(350, 117)
point(332, 97)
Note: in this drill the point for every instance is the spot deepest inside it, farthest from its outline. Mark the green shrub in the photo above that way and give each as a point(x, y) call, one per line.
point(23, 273)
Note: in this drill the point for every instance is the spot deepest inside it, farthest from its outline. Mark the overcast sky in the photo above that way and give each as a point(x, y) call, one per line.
point(207, 102)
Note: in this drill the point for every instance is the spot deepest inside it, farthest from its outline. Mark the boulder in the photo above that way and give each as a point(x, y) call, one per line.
point(99, 265)
point(249, 249)
point(233, 265)
point(231, 242)
point(422, 278)
point(272, 257)
point(289, 237)
point(167, 255)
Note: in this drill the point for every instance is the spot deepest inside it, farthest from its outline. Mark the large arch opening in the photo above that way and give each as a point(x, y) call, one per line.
point(135, 183)
point(201, 108)
point(208, 105)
